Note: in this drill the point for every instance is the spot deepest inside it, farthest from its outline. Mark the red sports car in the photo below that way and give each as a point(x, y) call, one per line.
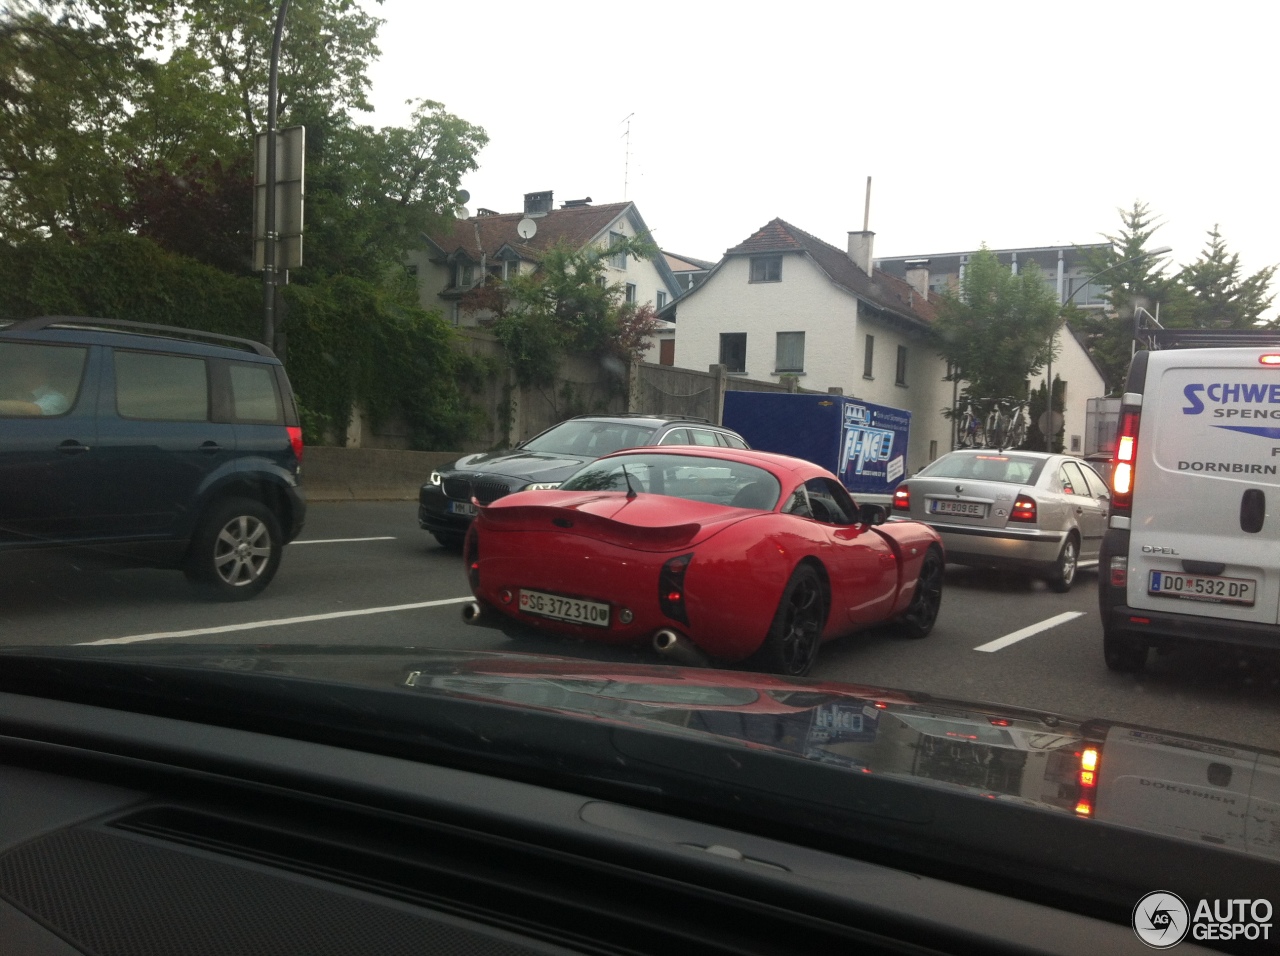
point(708, 553)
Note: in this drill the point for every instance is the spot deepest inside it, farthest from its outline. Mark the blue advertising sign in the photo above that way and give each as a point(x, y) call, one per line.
point(873, 446)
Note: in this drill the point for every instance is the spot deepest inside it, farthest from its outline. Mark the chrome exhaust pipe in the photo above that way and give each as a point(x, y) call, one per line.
point(678, 648)
point(473, 613)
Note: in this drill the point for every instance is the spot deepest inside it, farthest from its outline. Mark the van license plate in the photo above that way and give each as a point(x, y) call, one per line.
point(1203, 587)
point(971, 509)
point(564, 609)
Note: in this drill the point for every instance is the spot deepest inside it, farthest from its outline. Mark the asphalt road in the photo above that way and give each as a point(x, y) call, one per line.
point(363, 573)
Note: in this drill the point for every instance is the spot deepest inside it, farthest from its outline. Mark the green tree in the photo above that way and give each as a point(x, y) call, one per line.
point(565, 305)
point(995, 330)
point(1132, 281)
point(1211, 292)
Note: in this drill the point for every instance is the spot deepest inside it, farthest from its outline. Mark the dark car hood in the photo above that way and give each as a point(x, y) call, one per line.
point(467, 699)
point(541, 466)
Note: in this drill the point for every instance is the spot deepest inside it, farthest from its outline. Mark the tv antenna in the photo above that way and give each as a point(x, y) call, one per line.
point(626, 161)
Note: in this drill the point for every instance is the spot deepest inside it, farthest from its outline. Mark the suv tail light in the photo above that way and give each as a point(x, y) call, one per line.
point(902, 498)
point(671, 588)
point(1126, 459)
point(295, 439)
point(1024, 509)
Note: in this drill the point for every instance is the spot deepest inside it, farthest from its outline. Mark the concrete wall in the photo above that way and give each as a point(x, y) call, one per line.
point(368, 474)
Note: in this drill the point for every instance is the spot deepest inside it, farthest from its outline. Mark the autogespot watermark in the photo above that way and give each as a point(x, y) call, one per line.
point(1162, 920)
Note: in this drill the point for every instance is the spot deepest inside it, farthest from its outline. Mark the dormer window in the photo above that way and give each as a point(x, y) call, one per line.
point(464, 275)
point(766, 268)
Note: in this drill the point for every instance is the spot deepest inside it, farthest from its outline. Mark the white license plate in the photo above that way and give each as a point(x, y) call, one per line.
point(1203, 587)
point(462, 508)
point(971, 509)
point(564, 609)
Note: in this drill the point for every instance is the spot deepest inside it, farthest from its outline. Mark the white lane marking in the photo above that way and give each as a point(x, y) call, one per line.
point(385, 537)
point(1013, 638)
point(251, 625)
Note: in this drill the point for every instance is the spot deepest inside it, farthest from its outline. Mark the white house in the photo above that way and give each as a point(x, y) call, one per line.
point(786, 303)
point(1081, 380)
point(451, 264)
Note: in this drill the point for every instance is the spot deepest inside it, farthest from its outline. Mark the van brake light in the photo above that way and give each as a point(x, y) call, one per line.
point(1126, 460)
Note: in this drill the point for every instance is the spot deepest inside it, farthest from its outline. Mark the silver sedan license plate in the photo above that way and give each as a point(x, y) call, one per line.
point(970, 509)
point(1203, 587)
point(564, 608)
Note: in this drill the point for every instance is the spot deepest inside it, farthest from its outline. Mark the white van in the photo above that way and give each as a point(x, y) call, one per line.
point(1192, 551)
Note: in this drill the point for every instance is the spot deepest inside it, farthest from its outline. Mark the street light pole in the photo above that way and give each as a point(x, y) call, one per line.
point(269, 239)
point(1162, 251)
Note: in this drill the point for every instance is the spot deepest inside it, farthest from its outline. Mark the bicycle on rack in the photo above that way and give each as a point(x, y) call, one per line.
point(997, 424)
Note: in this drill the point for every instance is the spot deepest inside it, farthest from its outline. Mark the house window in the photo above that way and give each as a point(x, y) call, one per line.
point(631, 293)
point(790, 357)
point(902, 366)
point(464, 275)
point(667, 352)
point(512, 268)
point(867, 356)
point(766, 268)
point(733, 351)
point(618, 261)
point(933, 450)
point(662, 299)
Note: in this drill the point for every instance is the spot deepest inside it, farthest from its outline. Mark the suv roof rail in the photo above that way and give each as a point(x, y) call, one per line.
point(171, 331)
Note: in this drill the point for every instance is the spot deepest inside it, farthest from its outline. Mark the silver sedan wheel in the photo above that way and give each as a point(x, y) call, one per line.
point(242, 550)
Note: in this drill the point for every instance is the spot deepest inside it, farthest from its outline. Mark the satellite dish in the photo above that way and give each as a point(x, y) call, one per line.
point(526, 228)
point(462, 212)
point(463, 197)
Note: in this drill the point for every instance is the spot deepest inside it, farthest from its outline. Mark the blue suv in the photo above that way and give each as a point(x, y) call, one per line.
point(173, 447)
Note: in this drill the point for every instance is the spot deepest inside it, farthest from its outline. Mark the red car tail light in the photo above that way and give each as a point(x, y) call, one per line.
point(295, 440)
point(1024, 509)
point(902, 498)
point(671, 588)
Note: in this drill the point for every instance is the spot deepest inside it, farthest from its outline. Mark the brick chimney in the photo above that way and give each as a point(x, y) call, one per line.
point(860, 244)
point(917, 274)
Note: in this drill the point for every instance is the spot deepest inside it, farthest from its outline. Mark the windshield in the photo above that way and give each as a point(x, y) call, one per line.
point(682, 476)
point(590, 438)
point(926, 260)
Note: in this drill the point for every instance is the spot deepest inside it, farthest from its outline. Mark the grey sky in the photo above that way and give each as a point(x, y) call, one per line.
point(1016, 124)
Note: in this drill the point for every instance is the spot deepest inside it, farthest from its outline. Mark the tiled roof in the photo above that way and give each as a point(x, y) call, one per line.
point(881, 289)
point(578, 225)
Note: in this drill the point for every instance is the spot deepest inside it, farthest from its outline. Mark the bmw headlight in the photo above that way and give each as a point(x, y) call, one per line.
point(541, 486)
point(435, 478)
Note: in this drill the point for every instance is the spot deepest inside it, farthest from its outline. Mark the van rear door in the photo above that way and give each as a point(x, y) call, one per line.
point(1205, 526)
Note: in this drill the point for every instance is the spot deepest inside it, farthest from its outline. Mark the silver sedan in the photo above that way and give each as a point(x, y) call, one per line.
point(1024, 511)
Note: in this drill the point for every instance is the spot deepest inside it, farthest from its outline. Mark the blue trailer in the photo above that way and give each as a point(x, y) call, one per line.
point(863, 444)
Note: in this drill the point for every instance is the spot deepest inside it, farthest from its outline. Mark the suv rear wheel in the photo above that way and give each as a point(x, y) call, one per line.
point(236, 549)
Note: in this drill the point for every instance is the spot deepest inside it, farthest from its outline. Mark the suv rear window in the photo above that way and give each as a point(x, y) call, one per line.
point(159, 387)
point(253, 394)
